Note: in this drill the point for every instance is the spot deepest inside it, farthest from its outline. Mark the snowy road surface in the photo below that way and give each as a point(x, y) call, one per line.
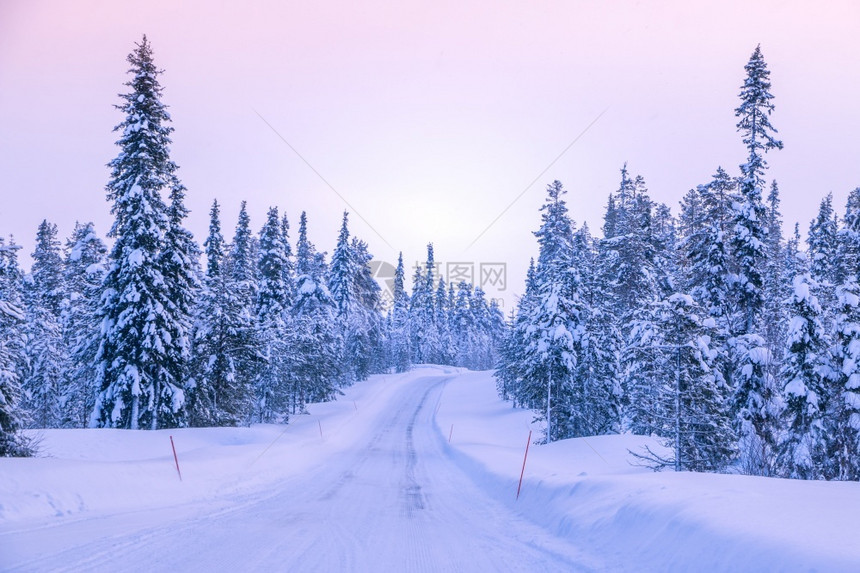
point(384, 497)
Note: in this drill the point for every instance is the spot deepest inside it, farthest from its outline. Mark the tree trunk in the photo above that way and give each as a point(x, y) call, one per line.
point(548, 408)
point(678, 413)
point(135, 411)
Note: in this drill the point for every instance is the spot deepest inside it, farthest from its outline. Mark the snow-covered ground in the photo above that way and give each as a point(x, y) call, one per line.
point(587, 490)
point(371, 483)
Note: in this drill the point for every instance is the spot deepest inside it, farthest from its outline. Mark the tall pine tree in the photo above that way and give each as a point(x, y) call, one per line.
point(47, 358)
point(85, 268)
point(315, 343)
point(273, 298)
point(224, 343)
point(12, 357)
point(753, 400)
point(844, 424)
point(140, 355)
point(553, 339)
point(399, 340)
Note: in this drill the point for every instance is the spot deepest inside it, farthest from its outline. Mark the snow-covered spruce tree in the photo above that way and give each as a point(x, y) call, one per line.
point(224, 344)
point(823, 250)
point(47, 368)
point(462, 326)
point(691, 236)
point(703, 263)
point(511, 367)
point(416, 336)
point(422, 312)
point(140, 355)
point(445, 351)
point(431, 347)
point(450, 316)
point(848, 238)
point(822, 241)
point(706, 248)
point(627, 255)
point(626, 249)
point(488, 324)
point(290, 268)
point(776, 287)
point(663, 239)
point(793, 259)
point(752, 402)
point(547, 355)
point(356, 296)
point(47, 270)
point(688, 404)
point(85, 267)
point(496, 329)
point(487, 327)
point(843, 422)
point(240, 269)
point(313, 339)
point(399, 341)
point(749, 237)
point(308, 260)
point(12, 443)
point(643, 374)
point(241, 264)
point(273, 299)
point(12, 356)
point(807, 374)
point(518, 370)
point(273, 292)
point(342, 272)
point(555, 322)
point(367, 324)
point(506, 367)
point(705, 268)
point(598, 369)
point(748, 240)
point(47, 358)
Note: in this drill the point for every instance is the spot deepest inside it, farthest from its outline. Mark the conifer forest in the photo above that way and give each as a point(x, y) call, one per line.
point(709, 324)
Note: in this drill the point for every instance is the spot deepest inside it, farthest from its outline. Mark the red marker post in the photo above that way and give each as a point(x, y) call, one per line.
point(175, 458)
point(522, 473)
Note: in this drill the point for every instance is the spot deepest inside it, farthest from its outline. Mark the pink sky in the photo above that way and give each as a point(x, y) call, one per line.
point(429, 118)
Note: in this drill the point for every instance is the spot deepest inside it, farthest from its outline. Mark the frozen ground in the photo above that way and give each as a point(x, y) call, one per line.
point(370, 483)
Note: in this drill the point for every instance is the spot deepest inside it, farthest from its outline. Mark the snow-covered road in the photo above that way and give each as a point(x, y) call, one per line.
point(386, 496)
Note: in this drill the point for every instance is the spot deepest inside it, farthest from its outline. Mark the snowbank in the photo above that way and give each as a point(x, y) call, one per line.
point(587, 489)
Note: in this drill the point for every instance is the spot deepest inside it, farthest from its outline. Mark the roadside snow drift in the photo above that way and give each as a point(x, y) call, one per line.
point(589, 490)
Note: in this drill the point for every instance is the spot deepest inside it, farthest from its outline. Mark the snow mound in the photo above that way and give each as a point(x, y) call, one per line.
point(590, 489)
